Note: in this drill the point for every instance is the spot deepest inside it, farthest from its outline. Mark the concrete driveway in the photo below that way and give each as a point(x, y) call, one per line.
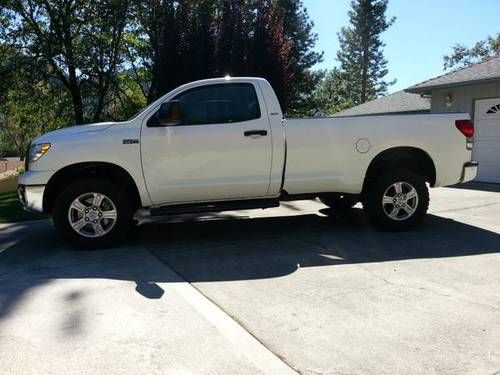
point(295, 289)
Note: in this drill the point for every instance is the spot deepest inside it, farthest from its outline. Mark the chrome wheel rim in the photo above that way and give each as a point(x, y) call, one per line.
point(92, 215)
point(400, 201)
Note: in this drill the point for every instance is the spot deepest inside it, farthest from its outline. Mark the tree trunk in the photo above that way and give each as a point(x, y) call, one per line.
point(364, 75)
point(76, 95)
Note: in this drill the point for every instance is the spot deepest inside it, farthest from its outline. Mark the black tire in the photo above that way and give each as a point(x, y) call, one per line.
point(378, 213)
point(117, 231)
point(341, 203)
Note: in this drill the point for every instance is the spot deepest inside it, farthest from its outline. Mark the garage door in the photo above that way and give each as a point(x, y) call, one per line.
point(487, 139)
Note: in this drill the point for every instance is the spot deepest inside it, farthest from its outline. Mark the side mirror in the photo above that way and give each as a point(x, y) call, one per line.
point(169, 114)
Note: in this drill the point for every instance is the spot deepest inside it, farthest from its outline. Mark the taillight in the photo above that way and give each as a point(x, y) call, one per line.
point(466, 127)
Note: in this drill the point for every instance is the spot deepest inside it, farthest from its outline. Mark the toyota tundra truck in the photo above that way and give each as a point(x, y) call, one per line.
point(223, 144)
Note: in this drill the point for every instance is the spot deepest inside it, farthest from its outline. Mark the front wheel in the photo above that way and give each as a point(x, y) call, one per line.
point(397, 200)
point(92, 214)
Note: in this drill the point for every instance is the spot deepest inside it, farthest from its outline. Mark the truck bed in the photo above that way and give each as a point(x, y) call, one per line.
point(334, 153)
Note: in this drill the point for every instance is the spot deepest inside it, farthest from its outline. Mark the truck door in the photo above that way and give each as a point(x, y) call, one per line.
point(221, 148)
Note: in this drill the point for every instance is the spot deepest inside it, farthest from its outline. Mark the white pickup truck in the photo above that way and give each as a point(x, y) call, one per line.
point(222, 144)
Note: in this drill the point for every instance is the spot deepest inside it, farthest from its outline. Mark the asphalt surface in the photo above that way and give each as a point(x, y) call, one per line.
point(298, 288)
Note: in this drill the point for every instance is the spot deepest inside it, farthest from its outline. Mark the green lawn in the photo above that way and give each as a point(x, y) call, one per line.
point(10, 208)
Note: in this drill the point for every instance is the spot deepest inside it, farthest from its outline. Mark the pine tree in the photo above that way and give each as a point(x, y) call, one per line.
point(297, 28)
point(331, 95)
point(361, 55)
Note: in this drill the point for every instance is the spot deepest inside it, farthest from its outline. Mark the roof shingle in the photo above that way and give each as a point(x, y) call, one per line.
point(486, 71)
point(398, 102)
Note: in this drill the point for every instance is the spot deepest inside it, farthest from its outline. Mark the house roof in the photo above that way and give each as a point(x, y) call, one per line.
point(484, 72)
point(398, 102)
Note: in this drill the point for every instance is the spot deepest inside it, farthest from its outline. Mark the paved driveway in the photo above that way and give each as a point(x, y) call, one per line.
point(297, 288)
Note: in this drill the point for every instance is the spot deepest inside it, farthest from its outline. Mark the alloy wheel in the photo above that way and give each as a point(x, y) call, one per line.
point(400, 201)
point(92, 215)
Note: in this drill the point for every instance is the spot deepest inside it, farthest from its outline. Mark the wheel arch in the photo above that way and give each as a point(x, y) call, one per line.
point(107, 171)
point(412, 158)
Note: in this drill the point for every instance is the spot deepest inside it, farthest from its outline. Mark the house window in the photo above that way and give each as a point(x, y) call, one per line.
point(494, 109)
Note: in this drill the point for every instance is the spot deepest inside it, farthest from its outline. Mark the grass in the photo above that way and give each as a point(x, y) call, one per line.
point(11, 210)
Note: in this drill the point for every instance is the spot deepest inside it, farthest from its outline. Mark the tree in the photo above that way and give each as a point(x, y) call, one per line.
point(271, 50)
point(462, 56)
point(297, 28)
point(361, 54)
point(233, 27)
point(146, 43)
point(77, 61)
point(30, 106)
point(80, 42)
point(210, 38)
point(331, 95)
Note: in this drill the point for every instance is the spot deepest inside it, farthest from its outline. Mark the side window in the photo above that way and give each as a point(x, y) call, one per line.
point(219, 104)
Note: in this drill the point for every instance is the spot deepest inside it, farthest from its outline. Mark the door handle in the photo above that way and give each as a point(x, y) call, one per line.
point(250, 133)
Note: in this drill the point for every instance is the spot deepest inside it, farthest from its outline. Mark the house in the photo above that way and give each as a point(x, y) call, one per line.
point(10, 164)
point(399, 102)
point(474, 90)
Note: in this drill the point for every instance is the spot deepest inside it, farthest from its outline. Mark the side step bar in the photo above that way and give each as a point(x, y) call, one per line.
point(191, 208)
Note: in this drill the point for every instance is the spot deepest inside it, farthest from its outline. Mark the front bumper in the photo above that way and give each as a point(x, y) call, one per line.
point(469, 172)
point(31, 197)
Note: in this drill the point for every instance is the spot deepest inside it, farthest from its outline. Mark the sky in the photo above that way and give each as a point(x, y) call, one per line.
point(424, 31)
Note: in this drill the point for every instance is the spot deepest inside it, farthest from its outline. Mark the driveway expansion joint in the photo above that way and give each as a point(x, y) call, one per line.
point(263, 358)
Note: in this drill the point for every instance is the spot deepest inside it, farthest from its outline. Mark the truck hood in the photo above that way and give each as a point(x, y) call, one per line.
point(62, 134)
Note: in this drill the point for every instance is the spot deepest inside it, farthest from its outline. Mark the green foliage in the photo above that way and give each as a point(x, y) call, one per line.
point(63, 63)
point(331, 95)
point(297, 27)
point(78, 44)
point(30, 110)
point(30, 104)
point(361, 56)
point(129, 98)
point(71, 62)
point(462, 56)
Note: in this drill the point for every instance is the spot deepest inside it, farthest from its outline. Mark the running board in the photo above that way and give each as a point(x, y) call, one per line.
point(192, 208)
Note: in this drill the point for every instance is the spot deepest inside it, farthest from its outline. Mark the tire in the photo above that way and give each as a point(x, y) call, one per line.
point(341, 203)
point(406, 198)
point(87, 205)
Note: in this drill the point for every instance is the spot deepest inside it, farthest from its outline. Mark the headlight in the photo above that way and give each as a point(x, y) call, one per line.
point(38, 150)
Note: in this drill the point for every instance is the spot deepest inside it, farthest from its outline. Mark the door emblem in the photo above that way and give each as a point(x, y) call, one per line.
point(130, 141)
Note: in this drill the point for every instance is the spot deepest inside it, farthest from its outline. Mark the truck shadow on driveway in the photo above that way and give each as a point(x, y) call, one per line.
point(269, 247)
point(229, 249)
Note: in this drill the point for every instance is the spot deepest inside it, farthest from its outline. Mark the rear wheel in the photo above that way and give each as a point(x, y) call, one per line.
point(92, 214)
point(397, 200)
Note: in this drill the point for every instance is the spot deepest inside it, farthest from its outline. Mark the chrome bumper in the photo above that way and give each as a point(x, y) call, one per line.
point(31, 197)
point(469, 172)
